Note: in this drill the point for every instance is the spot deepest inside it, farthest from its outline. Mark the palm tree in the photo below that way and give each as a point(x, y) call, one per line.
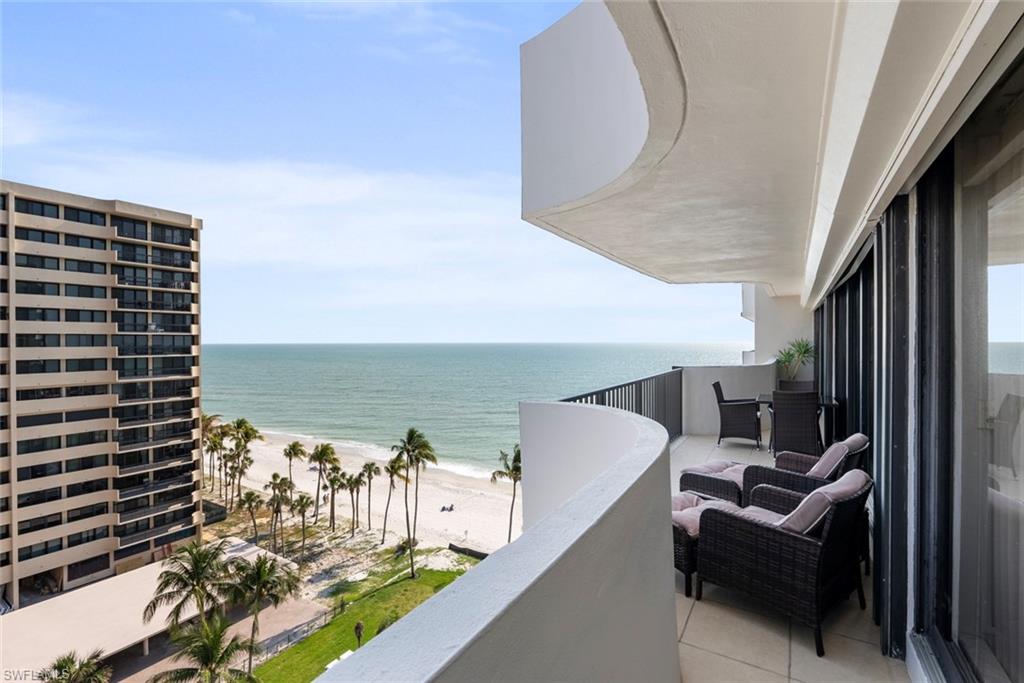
point(242, 466)
point(68, 668)
point(193, 575)
point(418, 452)
point(280, 491)
point(323, 456)
point(370, 470)
point(352, 484)
point(214, 444)
point(242, 431)
point(410, 449)
point(513, 471)
point(359, 479)
point(252, 502)
point(260, 581)
point(294, 451)
point(301, 506)
point(394, 470)
point(207, 646)
point(208, 425)
point(335, 482)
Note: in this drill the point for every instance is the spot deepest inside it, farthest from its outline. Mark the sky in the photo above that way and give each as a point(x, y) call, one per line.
point(356, 167)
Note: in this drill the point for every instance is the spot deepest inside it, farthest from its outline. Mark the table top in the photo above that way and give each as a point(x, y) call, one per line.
point(823, 401)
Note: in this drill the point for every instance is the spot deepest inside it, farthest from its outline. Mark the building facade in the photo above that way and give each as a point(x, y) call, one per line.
point(99, 404)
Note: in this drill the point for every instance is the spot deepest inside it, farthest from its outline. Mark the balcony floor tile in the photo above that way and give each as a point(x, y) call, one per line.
point(749, 637)
point(701, 666)
point(846, 660)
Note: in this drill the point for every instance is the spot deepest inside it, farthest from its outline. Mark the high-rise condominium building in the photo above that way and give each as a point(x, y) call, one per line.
point(99, 388)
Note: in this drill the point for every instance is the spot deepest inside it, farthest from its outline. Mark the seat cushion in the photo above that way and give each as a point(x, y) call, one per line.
point(733, 471)
point(816, 505)
point(688, 518)
point(830, 461)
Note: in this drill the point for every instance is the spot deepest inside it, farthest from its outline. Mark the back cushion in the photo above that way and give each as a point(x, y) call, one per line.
point(815, 506)
point(830, 461)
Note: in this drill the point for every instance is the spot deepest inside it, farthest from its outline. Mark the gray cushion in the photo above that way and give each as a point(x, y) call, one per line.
point(832, 459)
point(816, 505)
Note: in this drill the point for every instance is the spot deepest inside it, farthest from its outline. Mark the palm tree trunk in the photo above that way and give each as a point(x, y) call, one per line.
point(332, 508)
point(369, 492)
point(408, 531)
point(356, 508)
point(255, 531)
point(252, 638)
point(388, 505)
point(290, 491)
point(352, 501)
point(416, 503)
point(302, 553)
point(510, 509)
point(316, 495)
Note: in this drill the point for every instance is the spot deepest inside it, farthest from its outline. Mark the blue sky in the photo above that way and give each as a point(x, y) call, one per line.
point(356, 166)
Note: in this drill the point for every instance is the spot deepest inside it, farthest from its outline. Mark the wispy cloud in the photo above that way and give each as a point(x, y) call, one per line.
point(418, 28)
point(27, 119)
point(237, 16)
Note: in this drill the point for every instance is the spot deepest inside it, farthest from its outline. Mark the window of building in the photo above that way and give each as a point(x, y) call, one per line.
point(130, 275)
point(131, 550)
point(87, 536)
point(99, 563)
point(83, 242)
point(131, 322)
point(133, 391)
point(130, 252)
point(177, 536)
point(73, 315)
point(122, 530)
point(33, 367)
point(40, 419)
point(93, 510)
point(172, 235)
point(48, 469)
point(129, 227)
point(37, 314)
point(35, 340)
point(81, 415)
point(85, 364)
point(34, 235)
point(46, 443)
point(87, 390)
point(35, 261)
point(38, 394)
point(172, 279)
point(40, 549)
point(131, 367)
point(78, 266)
point(35, 208)
point(85, 340)
point(171, 257)
point(85, 487)
point(86, 291)
point(38, 497)
point(86, 463)
point(37, 288)
point(38, 523)
point(85, 438)
point(83, 216)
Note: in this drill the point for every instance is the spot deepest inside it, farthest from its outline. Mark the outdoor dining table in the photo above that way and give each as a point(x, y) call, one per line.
point(829, 413)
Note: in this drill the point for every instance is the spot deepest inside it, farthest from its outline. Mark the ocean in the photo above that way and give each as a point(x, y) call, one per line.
point(464, 397)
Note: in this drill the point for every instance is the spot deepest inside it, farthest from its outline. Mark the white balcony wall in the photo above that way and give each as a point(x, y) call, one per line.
point(700, 410)
point(778, 321)
point(585, 594)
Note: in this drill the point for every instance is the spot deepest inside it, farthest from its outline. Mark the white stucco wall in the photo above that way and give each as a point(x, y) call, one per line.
point(581, 69)
point(778, 321)
point(700, 411)
point(585, 594)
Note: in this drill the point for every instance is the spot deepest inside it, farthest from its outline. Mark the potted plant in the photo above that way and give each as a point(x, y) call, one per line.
point(795, 355)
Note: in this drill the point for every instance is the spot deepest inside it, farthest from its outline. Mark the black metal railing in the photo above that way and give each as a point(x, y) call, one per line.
point(658, 397)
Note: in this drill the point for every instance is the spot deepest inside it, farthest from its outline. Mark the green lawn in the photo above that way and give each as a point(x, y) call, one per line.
point(306, 660)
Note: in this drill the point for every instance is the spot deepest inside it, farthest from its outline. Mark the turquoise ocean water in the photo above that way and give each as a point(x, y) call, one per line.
point(463, 396)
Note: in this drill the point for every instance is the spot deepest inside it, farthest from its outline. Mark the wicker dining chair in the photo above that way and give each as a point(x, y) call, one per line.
point(738, 418)
point(800, 574)
point(795, 422)
point(795, 385)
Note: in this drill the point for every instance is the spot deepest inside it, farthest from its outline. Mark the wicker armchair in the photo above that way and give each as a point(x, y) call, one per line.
point(795, 422)
point(801, 575)
point(738, 418)
point(798, 472)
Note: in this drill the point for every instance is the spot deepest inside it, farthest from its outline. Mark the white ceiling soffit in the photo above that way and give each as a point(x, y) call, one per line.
point(775, 134)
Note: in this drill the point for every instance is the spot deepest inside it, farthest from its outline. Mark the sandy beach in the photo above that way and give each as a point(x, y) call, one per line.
point(479, 521)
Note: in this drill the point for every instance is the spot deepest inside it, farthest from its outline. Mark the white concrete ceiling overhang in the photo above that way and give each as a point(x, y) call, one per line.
point(776, 133)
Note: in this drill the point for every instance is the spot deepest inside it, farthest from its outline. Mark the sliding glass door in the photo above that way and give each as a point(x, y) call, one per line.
point(987, 611)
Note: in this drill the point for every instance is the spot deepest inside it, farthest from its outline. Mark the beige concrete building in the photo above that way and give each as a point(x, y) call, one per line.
point(99, 388)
